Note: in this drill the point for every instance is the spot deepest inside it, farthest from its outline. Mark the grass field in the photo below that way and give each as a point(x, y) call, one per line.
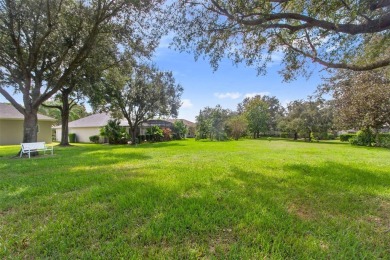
point(246, 199)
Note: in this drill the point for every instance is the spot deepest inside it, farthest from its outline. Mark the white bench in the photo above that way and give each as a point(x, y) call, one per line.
point(27, 148)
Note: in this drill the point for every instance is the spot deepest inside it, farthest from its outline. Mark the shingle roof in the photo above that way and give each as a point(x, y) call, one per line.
point(185, 121)
point(95, 120)
point(100, 120)
point(8, 111)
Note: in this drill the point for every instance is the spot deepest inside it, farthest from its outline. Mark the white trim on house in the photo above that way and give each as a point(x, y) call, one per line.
point(91, 125)
point(11, 126)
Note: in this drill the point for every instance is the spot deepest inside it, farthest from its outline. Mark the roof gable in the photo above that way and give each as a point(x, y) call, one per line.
point(101, 119)
point(8, 111)
point(95, 120)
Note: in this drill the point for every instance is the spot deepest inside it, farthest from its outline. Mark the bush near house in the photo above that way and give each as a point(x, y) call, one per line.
point(72, 137)
point(363, 138)
point(346, 137)
point(384, 140)
point(114, 132)
point(94, 139)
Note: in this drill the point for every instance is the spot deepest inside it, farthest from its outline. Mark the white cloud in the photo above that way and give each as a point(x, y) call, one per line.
point(251, 95)
point(164, 46)
point(285, 102)
point(231, 95)
point(186, 103)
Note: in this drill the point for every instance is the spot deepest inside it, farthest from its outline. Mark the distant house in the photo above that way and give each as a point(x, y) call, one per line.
point(91, 125)
point(190, 126)
point(11, 126)
point(86, 127)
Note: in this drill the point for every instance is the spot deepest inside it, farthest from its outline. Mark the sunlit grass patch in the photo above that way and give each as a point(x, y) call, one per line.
point(188, 199)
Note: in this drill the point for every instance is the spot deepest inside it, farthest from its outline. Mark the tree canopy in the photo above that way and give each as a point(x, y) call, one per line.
point(138, 93)
point(211, 123)
point(43, 42)
point(362, 99)
point(311, 118)
point(331, 33)
point(257, 114)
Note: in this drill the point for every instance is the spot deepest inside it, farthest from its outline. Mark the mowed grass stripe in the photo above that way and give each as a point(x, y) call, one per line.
point(195, 199)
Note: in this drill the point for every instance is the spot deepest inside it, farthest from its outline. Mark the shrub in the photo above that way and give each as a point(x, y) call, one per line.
point(156, 133)
point(363, 138)
point(94, 139)
point(313, 138)
point(114, 132)
point(167, 134)
point(72, 137)
point(384, 140)
point(346, 137)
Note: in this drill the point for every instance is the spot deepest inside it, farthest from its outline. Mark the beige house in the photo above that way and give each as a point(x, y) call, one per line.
point(91, 125)
point(86, 127)
point(11, 126)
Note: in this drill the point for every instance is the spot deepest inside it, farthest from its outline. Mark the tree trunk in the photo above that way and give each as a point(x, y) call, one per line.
point(295, 136)
point(30, 131)
point(369, 135)
point(377, 142)
point(65, 118)
point(133, 135)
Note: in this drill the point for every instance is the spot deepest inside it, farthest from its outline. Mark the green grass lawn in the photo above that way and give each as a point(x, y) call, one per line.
point(187, 199)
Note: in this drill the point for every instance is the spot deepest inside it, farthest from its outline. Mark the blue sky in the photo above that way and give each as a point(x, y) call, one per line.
point(230, 84)
point(227, 86)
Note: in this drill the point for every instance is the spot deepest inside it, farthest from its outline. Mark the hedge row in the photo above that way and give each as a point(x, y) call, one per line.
point(346, 137)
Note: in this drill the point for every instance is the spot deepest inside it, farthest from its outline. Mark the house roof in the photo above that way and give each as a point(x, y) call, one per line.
point(185, 121)
point(95, 120)
point(100, 120)
point(8, 111)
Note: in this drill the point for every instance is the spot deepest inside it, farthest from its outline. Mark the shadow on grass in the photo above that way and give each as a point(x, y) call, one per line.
point(308, 213)
point(332, 197)
point(335, 142)
point(161, 145)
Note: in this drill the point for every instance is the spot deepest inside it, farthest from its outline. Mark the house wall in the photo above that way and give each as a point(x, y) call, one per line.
point(82, 133)
point(11, 131)
point(45, 134)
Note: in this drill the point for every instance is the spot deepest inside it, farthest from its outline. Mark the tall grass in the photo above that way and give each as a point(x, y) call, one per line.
point(187, 199)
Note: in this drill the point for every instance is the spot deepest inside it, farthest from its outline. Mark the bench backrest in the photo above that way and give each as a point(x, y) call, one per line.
point(33, 146)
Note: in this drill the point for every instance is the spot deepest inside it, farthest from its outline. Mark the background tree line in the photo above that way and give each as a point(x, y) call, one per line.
point(63, 48)
point(361, 101)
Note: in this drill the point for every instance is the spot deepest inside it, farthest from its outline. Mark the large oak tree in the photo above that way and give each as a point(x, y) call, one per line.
point(138, 93)
point(330, 33)
point(361, 99)
point(42, 42)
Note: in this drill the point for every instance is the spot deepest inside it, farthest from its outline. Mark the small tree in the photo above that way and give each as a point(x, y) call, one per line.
point(257, 115)
point(237, 126)
point(211, 123)
point(155, 133)
point(114, 132)
point(180, 129)
point(167, 134)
